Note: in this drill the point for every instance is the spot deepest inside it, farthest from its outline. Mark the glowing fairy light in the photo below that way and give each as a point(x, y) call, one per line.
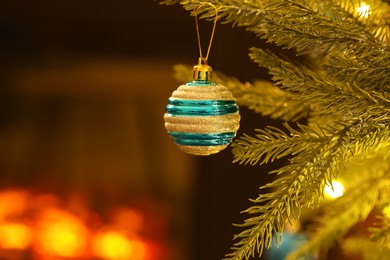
point(60, 233)
point(112, 245)
point(334, 191)
point(15, 236)
point(363, 10)
point(386, 211)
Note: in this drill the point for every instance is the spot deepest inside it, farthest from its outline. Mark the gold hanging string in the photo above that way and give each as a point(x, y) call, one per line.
point(211, 38)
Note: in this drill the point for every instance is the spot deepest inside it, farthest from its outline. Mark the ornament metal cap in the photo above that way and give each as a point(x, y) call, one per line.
point(202, 71)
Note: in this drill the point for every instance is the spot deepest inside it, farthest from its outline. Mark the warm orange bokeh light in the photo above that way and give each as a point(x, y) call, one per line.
point(113, 245)
point(13, 202)
point(37, 224)
point(15, 236)
point(60, 233)
point(128, 219)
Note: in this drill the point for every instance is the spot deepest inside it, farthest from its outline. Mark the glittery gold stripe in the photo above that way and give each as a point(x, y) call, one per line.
point(202, 150)
point(207, 124)
point(213, 92)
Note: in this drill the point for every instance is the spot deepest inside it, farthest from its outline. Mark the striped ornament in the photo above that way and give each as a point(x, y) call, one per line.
point(202, 117)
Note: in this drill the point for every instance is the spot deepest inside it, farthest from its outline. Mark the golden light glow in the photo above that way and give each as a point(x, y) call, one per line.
point(15, 236)
point(39, 225)
point(60, 233)
point(386, 211)
point(334, 191)
point(293, 226)
point(363, 10)
point(112, 245)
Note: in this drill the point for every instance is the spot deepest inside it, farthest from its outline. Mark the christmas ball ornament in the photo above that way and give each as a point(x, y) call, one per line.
point(290, 242)
point(202, 116)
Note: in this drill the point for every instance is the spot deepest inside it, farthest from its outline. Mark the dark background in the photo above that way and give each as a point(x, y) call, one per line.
point(83, 87)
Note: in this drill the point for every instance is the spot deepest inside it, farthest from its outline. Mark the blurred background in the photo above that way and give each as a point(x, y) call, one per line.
point(87, 170)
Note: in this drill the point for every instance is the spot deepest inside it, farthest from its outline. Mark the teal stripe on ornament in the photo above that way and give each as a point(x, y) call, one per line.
point(180, 107)
point(195, 139)
point(200, 83)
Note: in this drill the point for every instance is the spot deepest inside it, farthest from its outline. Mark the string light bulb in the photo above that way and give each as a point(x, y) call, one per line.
point(334, 190)
point(363, 10)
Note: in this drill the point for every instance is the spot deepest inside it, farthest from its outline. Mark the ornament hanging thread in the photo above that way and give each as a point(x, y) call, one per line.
point(202, 117)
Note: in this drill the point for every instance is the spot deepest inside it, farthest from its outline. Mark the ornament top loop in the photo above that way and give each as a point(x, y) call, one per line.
point(211, 37)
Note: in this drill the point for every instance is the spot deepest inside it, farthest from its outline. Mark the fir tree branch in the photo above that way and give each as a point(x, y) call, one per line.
point(342, 214)
point(265, 98)
point(272, 143)
point(307, 26)
point(381, 233)
point(316, 166)
point(368, 177)
point(299, 184)
point(366, 248)
point(370, 73)
point(184, 73)
point(345, 100)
